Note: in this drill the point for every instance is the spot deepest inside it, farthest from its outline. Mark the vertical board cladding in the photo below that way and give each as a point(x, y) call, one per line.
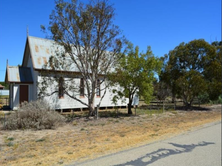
point(69, 103)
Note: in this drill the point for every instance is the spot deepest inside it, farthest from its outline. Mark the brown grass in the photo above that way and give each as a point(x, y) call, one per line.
point(86, 139)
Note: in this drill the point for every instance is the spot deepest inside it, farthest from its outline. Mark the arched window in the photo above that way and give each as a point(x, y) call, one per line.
point(82, 87)
point(98, 88)
point(61, 87)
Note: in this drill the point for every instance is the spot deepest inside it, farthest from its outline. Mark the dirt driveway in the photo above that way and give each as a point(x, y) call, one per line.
point(84, 139)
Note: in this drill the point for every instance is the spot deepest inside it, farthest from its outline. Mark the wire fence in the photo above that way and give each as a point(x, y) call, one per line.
point(161, 104)
point(4, 102)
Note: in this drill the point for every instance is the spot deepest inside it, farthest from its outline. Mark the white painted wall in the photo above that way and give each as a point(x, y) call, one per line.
point(69, 103)
point(14, 95)
point(66, 102)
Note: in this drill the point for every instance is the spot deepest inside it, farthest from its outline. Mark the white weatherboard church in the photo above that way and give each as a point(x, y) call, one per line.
point(24, 79)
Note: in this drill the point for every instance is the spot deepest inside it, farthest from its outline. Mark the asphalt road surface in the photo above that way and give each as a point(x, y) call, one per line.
point(200, 147)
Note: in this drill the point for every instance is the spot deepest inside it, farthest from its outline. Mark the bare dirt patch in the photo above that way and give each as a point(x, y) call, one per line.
point(84, 139)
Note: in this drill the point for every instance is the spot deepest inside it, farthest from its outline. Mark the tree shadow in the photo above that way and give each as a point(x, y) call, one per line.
point(152, 157)
point(6, 108)
point(192, 108)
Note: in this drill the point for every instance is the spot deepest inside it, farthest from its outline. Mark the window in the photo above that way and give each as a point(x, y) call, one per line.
point(82, 87)
point(98, 88)
point(61, 87)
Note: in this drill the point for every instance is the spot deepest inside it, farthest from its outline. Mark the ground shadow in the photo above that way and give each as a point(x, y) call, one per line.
point(192, 108)
point(163, 153)
point(102, 115)
point(6, 108)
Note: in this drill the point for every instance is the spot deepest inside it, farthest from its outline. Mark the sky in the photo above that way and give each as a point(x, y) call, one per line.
point(161, 24)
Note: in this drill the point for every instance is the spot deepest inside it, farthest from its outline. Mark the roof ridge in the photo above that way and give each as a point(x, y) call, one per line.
point(18, 66)
point(41, 38)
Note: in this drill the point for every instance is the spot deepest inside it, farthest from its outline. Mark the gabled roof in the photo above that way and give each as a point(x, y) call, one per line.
point(16, 74)
point(1, 86)
point(41, 50)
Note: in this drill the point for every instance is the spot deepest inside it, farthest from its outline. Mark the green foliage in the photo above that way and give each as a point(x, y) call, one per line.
point(203, 98)
point(212, 71)
point(190, 85)
point(9, 144)
point(135, 74)
point(192, 69)
point(218, 101)
point(40, 140)
point(161, 90)
point(10, 139)
point(92, 45)
point(6, 86)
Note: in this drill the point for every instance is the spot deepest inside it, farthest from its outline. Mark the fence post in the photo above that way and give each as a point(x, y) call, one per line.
point(174, 104)
point(4, 121)
point(135, 106)
point(163, 105)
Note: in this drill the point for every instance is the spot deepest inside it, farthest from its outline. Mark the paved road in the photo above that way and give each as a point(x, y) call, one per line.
point(201, 147)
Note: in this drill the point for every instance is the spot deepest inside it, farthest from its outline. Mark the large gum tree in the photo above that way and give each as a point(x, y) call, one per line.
point(186, 69)
point(91, 42)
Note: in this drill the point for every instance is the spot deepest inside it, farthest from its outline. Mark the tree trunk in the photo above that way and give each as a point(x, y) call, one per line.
point(173, 98)
point(188, 106)
point(91, 107)
point(187, 103)
point(91, 99)
point(96, 116)
point(130, 107)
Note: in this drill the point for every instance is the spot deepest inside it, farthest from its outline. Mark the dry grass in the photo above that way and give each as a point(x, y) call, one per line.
point(84, 139)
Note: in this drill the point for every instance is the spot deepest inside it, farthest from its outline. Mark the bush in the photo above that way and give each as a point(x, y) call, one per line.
point(204, 98)
point(34, 115)
point(218, 101)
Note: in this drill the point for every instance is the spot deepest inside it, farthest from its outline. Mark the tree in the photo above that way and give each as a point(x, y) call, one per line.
point(161, 86)
point(185, 69)
point(135, 74)
point(212, 71)
point(6, 86)
point(190, 85)
point(91, 42)
point(162, 90)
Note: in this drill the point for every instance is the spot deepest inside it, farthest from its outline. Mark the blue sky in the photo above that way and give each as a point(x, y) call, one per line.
point(161, 24)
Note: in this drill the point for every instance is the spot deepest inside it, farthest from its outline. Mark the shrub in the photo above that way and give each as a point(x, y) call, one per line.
point(34, 115)
point(204, 98)
point(218, 101)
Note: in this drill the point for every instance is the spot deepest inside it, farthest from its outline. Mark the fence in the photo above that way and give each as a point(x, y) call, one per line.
point(4, 101)
point(160, 104)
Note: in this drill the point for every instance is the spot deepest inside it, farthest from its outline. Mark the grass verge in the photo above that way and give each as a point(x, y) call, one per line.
point(83, 139)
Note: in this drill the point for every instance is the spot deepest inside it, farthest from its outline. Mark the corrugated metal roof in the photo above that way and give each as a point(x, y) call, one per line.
point(43, 49)
point(19, 74)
